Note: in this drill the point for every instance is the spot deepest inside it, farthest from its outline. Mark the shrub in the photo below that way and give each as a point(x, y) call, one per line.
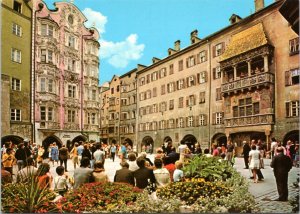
point(209, 168)
point(190, 190)
point(100, 197)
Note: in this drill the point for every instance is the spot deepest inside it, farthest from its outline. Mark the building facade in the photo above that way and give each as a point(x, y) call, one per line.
point(240, 83)
point(66, 76)
point(16, 120)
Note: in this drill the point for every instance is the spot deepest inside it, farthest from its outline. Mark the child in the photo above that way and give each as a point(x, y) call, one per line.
point(178, 173)
point(60, 182)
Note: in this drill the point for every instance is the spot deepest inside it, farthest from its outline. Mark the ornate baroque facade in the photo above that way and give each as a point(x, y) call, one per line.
point(66, 75)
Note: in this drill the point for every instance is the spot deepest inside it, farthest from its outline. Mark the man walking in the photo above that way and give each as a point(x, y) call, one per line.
point(246, 150)
point(63, 156)
point(281, 165)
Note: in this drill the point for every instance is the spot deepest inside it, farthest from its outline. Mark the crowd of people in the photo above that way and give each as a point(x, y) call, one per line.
point(136, 169)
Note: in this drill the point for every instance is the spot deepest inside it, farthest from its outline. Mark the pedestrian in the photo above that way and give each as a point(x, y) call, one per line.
point(181, 150)
point(273, 146)
point(27, 172)
point(178, 173)
point(8, 160)
point(54, 153)
point(79, 151)
point(230, 153)
point(162, 175)
point(99, 174)
point(113, 150)
point(246, 150)
point(215, 152)
point(169, 165)
point(63, 156)
point(124, 175)
point(41, 152)
point(254, 159)
point(83, 174)
point(123, 152)
point(99, 154)
point(281, 164)
point(74, 155)
point(20, 156)
point(132, 162)
point(86, 152)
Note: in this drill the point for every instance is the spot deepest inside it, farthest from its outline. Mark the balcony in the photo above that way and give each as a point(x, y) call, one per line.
point(256, 80)
point(112, 108)
point(91, 104)
point(46, 41)
point(49, 125)
point(90, 127)
point(253, 120)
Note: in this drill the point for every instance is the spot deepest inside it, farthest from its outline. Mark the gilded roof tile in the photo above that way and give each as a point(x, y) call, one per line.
point(244, 41)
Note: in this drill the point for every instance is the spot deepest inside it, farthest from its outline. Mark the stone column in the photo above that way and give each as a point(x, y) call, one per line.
point(234, 72)
point(249, 67)
point(266, 63)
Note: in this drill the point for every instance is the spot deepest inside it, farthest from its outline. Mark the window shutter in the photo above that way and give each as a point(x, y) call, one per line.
point(205, 76)
point(183, 85)
point(197, 120)
point(187, 82)
point(195, 99)
point(198, 78)
point(206, 55)
point(223, 47)
point(287, 78)
point(214, 73)
point(176, 122)
point(187, 121)
point(187, 102)
point(195, 79)
point(214, 118)
point(198, 58)
point(187, 62)
point(205, 119)
point(214, 51)
point(287, 109)
point(194, 122)
point(222, 121)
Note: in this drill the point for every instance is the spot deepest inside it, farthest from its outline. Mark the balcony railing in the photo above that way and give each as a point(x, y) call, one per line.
point(90, 127)
point(46, 41)
point(259, 119)
point(254, 80)
point(49, 125)
point(91, 104)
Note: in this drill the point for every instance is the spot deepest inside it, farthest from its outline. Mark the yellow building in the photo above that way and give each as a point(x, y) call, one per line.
point(16, 118)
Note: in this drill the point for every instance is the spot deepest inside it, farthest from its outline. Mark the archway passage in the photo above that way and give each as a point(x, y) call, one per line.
point(127, 140)
point(79, 138)
point(292, 136)
point(49, 140)
point(11, 138)
point(147, 144)
point(190, 141)
point(220, 140)
point(167, 139)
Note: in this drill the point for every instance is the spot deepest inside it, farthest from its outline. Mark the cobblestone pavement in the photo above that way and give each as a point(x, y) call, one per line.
point(264, 192)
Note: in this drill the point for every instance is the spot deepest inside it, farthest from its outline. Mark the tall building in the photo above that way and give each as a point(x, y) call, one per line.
point(128, 112)
point(237, 84)
point(16, 24)
point(66, 75)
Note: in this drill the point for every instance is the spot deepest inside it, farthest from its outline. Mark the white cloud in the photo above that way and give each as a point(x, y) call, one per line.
point(95, 17)
point(119, 54)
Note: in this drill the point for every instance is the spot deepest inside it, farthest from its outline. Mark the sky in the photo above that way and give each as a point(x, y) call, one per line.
point(134, 31)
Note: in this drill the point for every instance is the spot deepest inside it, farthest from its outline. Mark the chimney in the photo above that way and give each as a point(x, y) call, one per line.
point(177, 45)
point(194, 37)
point(259, 4)
point(234, 19)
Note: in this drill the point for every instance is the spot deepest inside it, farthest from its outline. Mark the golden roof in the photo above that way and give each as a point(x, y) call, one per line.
point(244, 41)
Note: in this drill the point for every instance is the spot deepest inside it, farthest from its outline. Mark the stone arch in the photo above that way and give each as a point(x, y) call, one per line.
point(129, 141)
point(48, 140)
point(167, 139)
point(292, 136)
point(190, 141)
point(147, 141)
point(79, 138)
point(11, 138)
point(219, 139)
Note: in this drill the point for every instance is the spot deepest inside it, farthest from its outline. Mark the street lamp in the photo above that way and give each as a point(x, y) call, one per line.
point(81, 83)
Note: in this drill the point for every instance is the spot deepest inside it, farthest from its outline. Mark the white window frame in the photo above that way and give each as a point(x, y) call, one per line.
point(16, 55)
point(16, 29)
point(202, 77)
point(180, 84)
point(72, 91)
point(218, 49)
point(202, 56)
point(71, 116)
point(43, 84)
point(219, 118)
point(218, 72)
point(201, 120)
point(190, 121)
point(180, 122)
point(15, 114)
point(16, 84)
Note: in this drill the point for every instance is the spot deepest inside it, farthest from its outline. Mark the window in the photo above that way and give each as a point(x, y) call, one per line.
point(219, 49)
point(171, 71)
point(16, 29)
point(71, 116)
point(154, 76)
point(112, 90)
point(47, 30)
point(180, 122)
point(292, 77)
point(148, 94)
point(162, 124)
point(217, 73)
point(17, 6)
point(171, 124)
point(16, 55)
point(180, 103)
point(202, 97)
point(50, 85)
point(163, 72)
point(191, 81)
point(154, 108)
point(71, 41)
point(180, 65)
point(292, 109)
point(118, 88)
point(94, 93)
point(71, 91)
point(180, 84)
point(50, 113)
point(218, 118)
point(190, 121)
point(202, 56)
point(93, 118)
point(171, 104)
point(170, 87)
point(43, 84)
point(202, 77)
point(191, 61)
point(202, 120)
point(142, 81)
point(218, 94)
point(245, 108)
point(163, 106)
point(132, 114)
point(15, 115)
point(191, 100)
point(43, 113)
point(70, 19)
point(71, 64)
point(15, 84)
point(46, 56)
point(294, 46)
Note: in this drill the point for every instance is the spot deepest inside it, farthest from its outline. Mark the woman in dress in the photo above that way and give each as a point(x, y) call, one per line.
point(41, 152)
point(44, 176)
point(254, 160)
point(54, 153)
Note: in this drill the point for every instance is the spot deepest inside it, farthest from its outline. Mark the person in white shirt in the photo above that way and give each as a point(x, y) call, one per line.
point(132, 162)
point(27, 172)
point(99, 155)
point(181, 150)
point(162, 175)
point(273, 146)
point(61, 184)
